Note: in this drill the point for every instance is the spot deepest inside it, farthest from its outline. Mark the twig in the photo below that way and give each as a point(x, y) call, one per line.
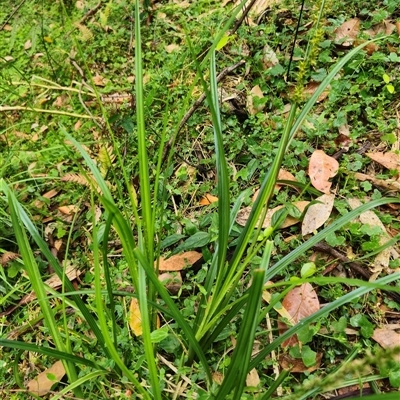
point(11, 15)
point(242, 17)
point(356, 267)
point(195, 106)
point(90, 13)
point(39, 110)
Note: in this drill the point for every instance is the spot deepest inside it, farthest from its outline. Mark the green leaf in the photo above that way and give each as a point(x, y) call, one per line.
point(199, 239)
point(159, 334)
point(361, 321)
point(223, 41)
point(386, 78)
point(390, 88)
point(170, 240)
point(308, 269)
point(394, 378)
point(308, 356)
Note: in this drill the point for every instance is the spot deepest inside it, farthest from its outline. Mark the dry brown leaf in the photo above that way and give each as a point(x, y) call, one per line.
point(269, 57)
point(217, 377)
point(389, 184)
point(54, 282)
point(398, 27)
point(254, 92)
point(381, 261)
point(388, 338)
point(172, 47)
point(77, 178)
point(389, 160)
point(68, 210)
point(179, 261)
point(252, 378)
point(7, 257)
point(321, 168)
point(98, 80)
point(244, 213)
point(42, 384)
point(28, 44)
point(171, 280)
point(311, 87)
point(346, 33)
point(317, 214)
point(135, 318)
point(296, 365)
point(266, 295)
point(208, 199)
point(300, 302)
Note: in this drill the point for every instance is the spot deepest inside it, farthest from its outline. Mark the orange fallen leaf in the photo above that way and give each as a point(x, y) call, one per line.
point(42, 384)
point(208, 199)
point(135, 318)
point(300, 302)
point(179, 261)
point(317, 214)
point(68, 210)
point(321, 168)
point(296, 365)
point(254, 92)
point(389, 160)
point(98, 80)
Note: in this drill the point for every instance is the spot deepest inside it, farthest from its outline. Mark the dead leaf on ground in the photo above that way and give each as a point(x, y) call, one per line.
point(310, 88)
point(68, 210)
point(171, 280)
point(389, 159)
point(302, 301)
point(7, 257)
point(135, 318)
point(98, 80)
point(208, 199)
point(54, 282)
point(346, 33)
point(388, 338)
point(179, 261)
point(255, 92)
point(42, 384)
point(296, 365)
point(389, 184)
point(321, 168)
point(252, 378)
point(317, 214)
point(244, 213)
point(172, 47)
point(381, 261)
point(283, 175)
point(269, 57)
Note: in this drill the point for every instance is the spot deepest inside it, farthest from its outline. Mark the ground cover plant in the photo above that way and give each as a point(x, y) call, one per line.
point(199, 199)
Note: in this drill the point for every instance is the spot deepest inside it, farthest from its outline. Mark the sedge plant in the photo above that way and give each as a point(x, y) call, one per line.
point(218, 304)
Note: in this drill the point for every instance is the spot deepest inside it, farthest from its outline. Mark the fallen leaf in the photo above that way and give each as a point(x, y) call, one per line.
point(172, 281)
point(28, 44)
point(244, 213)
point(346, 33)
point(135, 318)
point(68, 210)
point(389, 160)
point(317, 214)
point(171, 48)
point(217, 377)
point(54, 282)
point(252, 378)
point(269, 57)
point(296, 365)
point(398, 27)
point(98, 80)
point(310, 88)
point(388, 338)
point(300, 302)
point(381, 261)
point(42, 384)
point(208, 199)
point(389, 184)
point(321, 168)
point(254, 92)
point(179, 261)
point(7, 257)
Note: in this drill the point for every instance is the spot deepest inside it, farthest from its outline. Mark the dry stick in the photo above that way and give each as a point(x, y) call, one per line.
point(90, 13)
point(11, 15)
point(39, 110)
point(242, 17)
point(195, 106)
point(353, 265)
